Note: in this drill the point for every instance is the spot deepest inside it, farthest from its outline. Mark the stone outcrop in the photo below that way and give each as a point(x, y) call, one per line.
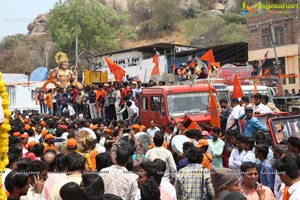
point(39, 24)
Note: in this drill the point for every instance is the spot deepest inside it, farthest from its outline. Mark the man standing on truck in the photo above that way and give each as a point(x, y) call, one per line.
point(265, 101)
point(260, 108)
point(226, 110)
point(252, 125)
point(233, 119)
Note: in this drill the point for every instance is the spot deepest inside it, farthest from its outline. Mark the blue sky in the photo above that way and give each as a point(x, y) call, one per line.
point(15, 15)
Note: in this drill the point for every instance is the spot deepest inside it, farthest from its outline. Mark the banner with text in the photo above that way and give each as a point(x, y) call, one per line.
point(227, 72)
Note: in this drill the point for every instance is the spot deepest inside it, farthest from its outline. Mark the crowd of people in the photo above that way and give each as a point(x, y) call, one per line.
point(84, 144)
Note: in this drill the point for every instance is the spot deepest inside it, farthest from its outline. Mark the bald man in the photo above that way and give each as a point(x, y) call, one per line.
point(54, 174)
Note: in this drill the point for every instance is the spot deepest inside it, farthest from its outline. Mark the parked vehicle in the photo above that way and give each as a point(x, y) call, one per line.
point(282, 127)
point(165, 103)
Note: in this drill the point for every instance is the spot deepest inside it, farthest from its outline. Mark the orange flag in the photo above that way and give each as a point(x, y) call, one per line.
point(254, 93)
point(173, 68)
point(214, 113)
point(209, 57)
point(137, 78)
point(237, 89)
point(155, 70)
point(267, 71)
point(192, 64)
point(187, 123)
point(116, 69)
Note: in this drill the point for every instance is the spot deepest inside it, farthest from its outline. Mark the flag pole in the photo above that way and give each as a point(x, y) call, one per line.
point(277, 62)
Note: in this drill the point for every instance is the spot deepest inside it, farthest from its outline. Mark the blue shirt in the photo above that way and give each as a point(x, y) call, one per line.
point(182, 163)
point(267, 174)
point(252, 125)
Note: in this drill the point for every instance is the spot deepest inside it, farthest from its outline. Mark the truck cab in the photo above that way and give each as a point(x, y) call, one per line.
point(165, 103)
point(282, 127)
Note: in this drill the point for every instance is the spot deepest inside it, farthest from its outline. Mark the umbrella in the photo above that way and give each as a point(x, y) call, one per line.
point(39, 74)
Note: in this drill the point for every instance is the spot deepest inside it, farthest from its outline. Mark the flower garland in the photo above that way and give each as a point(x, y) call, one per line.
point(4, 128)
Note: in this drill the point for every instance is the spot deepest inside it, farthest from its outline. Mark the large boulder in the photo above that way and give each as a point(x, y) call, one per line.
point(39, 24)
point(119, 6)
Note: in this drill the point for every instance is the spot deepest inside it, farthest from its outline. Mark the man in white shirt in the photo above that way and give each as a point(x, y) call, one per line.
point(236, 113)
point(153, 128)
point(133, 113)
point(287, 169)
point(237, 153)
point(117, 179)
point(260, 108)
point(247, 145)
point(160, 152)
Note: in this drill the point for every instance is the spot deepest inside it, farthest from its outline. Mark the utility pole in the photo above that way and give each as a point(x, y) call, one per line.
point(277, 62)
point(46, 54)
point(76, 53)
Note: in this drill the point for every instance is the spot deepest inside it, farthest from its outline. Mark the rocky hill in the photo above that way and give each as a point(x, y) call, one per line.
point(23, 53)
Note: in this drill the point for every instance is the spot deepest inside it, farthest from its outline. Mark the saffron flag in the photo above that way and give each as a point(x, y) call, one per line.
point(237, 89)
point(116, 69)
point(209, 57)
point(173, 68)
point(137, 78)
point(254, 93)
point(267, 71)
point(155, 70)
point(187, 123)
point(192, 64)
point(214, 113)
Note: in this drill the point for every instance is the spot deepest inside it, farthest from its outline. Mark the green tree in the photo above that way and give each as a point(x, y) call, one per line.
point(208, 31)
point(97, 27)
point(166, 13)
point(11, 41)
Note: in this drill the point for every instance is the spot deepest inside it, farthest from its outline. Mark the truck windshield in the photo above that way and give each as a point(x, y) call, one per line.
point(263, 92)
point(188, 103)
point(249, 94)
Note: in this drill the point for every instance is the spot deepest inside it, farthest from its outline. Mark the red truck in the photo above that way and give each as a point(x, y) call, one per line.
point(162, 103)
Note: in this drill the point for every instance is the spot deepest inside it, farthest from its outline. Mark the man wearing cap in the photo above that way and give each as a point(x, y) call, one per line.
point(207, 157)
point(72, 145)
point(224, 179)
point(24, 141)
point(29, 154)
point(252, 125)
point(49, 143)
